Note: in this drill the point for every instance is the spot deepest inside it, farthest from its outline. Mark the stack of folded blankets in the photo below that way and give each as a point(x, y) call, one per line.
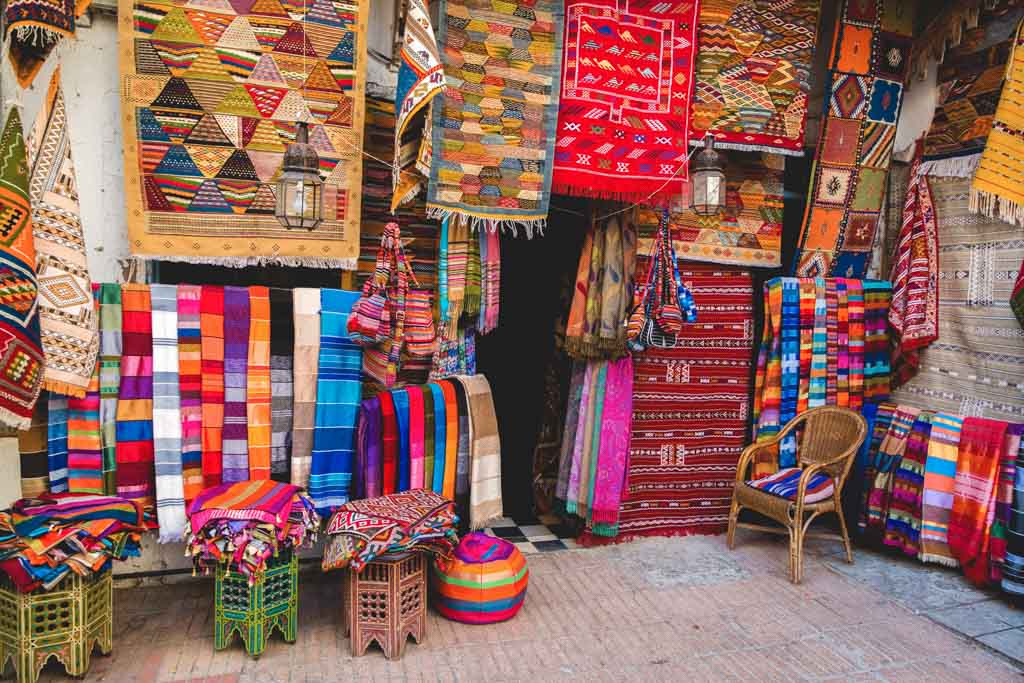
point(363, 530)
point(43, 539)
point(246, 523)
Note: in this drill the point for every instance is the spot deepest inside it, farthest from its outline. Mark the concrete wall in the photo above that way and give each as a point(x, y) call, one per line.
point(89, 66)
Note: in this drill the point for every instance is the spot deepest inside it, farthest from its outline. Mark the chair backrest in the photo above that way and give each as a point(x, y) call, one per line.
point(828, 433)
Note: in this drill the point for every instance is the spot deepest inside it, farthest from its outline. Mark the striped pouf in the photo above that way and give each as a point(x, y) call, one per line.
point(485, 583)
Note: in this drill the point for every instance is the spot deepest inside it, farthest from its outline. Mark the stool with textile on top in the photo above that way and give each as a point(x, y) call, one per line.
point(248, 532)
point(381, 543)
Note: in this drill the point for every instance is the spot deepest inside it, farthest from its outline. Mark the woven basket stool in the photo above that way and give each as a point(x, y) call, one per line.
point(386, 602)
point(254, 611)
point(65, 624)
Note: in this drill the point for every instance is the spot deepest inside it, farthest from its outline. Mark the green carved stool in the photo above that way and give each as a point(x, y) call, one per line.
point(65, 624)
point(256, 610)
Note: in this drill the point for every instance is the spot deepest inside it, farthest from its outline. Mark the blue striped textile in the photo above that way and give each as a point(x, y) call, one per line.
point(57, 443)
point(401, 400)
point(440, 436)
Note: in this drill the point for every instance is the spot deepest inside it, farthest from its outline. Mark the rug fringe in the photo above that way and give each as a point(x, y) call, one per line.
point(994, 206)
point(64, 388)
point(939, 559)
point(740, 147)
point(511, 225)
point(952, 167)
point(15, 421)
point(246, 261)
point(662, 199)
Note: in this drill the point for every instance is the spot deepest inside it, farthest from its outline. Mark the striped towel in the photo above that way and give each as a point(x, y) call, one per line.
point(404, 462)
point(258, 383)
point(236, 358)
point(937, 498)
point(85, 454)
point(35, 478)
point(389, 442)
point(440, 437)
point(416, 438)
point(306, 304)
point(57, 442)
point(339, 387)
point(818, 382)
point(211, 326)
point(170, 490)
point(190, 369)
point(109, 295)
point(282, 346)
point(135, 398)
point(485, 453)
point(785, 483)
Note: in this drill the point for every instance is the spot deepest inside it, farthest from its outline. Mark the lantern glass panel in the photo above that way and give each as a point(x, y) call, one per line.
point(299, 200)
point(708, 187)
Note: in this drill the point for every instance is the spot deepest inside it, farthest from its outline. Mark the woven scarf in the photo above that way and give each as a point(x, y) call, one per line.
point(403, 461)
point(33, 29)
point(389, 443)
point(170, 491)
point(451, 438)
point(337, 403)
point(490, 261)
point(970, 522)
point(592, 449)
point(937, 497)
point(615, 281)
point(235, 445)
point(463, 458)
point(85, 452)
point(903, 520)
point(135, 478)
point(22, 370)
point(428, 437)
point(282, 346)
point(370, 447)
point(67, 317)
point(613, 456)
point(456, 267)
point(855, 313)
point(420, 80)
point(454, 356)
point(485, 453)
point(1013, 567)
point(581, 441)
point(572, 417)
point(1017, 296)
point(474, 279)
point(109, 296)
point(817, 387)
point(440, 437)
point(258, 417)
point(417, 441)
point(190, 377)
point(211, 326)
point(882, 467)
point(307, 354)
point(32, 451)
point(914, 312)
point(1003, 501)
point(877, 353)
point(57, 442)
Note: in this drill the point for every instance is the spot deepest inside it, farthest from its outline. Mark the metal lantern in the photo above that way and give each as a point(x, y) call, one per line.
point(300, 200)
point(707, 179)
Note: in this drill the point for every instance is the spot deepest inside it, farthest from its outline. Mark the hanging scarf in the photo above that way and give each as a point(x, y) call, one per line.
point(440, 437)
point(578, 309)
point(939, 480)
point(572, 417)
point(258, 384)
point(170, 492)
point(462, 456)
point(389, 443)
point(1003, 501)
point(307, 354)
point(85, 453)
point(590, 456)
point(34, 27)
point(474, 277)
point(109, 295)
point(67, 317)
point(484, 452)
point(428, 436)
point(903, 520)
point(613, 455)
point(371, 445)
point(855, 299)
point(1013, 567)
point(211, 326)
point(818, 381)
point(403, 462)
point(970, 522)
point(879, 429)
point(416, 437)
point(883, 466)
point(456, 269)
point(135, 479)
point(282, 346)
point(57, 443)
point(451, 438)
point(32, 451)
point(490, 260)
point(584, 431)
point(236, 357)
point(190, 371)
point(337, 403)
point(914, 312)
point(454, 356)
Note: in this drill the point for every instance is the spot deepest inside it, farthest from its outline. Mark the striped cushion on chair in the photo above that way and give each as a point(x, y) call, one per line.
point(784, 484)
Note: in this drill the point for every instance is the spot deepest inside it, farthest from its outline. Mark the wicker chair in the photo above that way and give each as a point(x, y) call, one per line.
point(829, 443)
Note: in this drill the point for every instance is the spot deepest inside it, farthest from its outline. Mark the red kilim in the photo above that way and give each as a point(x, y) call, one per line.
point(690, 407)
point(624, 114)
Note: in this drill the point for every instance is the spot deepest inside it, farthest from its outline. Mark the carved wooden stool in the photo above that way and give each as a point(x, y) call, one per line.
point(386, 602)
point(255, 610)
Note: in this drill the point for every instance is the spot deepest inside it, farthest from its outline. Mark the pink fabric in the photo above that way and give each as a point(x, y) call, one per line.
point(417, 444)
point(585, 425)
point(613, 456)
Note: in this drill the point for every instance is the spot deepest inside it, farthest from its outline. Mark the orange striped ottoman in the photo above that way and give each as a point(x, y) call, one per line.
point(485, 582)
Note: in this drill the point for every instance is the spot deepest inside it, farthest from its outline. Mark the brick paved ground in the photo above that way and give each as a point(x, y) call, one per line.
point(662, 610)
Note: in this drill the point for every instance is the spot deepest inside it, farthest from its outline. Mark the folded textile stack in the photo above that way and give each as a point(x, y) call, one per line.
point(248, 522)
point(362, 530)
point(44, 538)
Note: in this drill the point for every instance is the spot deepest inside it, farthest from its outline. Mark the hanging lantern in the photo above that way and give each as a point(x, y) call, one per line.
point(299, 188)
point(707, 179)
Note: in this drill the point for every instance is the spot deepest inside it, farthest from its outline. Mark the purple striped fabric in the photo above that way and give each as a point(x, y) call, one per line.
point(784, 484)
point(236, 358)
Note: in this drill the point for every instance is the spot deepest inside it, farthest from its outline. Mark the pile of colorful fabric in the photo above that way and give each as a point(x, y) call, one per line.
point(441, 436)
point(945, 489)
point(246, 523)
point(825, 342)
point(363, 530)
point(43, 539)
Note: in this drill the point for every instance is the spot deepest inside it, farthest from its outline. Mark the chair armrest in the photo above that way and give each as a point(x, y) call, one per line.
point(748, 455)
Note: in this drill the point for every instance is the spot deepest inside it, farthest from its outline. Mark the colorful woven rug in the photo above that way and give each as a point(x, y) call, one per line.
point(690, 408)
point(623, 117)
point(420, 80)
point(868, 66)
point(33, 29)
point(235, 445)
point(135, 474)
point(997, 189)
point(170, 486)
point(903, 518)
point(970, 80)
point(67, 317)
point(748, 232)
point(494, 130)
point(1017, 296)
point(754, 62)
point(976, 367)
point(21, 356)
point(937, 496)
point(211, 92)
point(85, 456)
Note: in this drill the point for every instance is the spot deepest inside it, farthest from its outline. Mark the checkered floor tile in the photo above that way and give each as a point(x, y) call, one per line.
point(542, 535)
